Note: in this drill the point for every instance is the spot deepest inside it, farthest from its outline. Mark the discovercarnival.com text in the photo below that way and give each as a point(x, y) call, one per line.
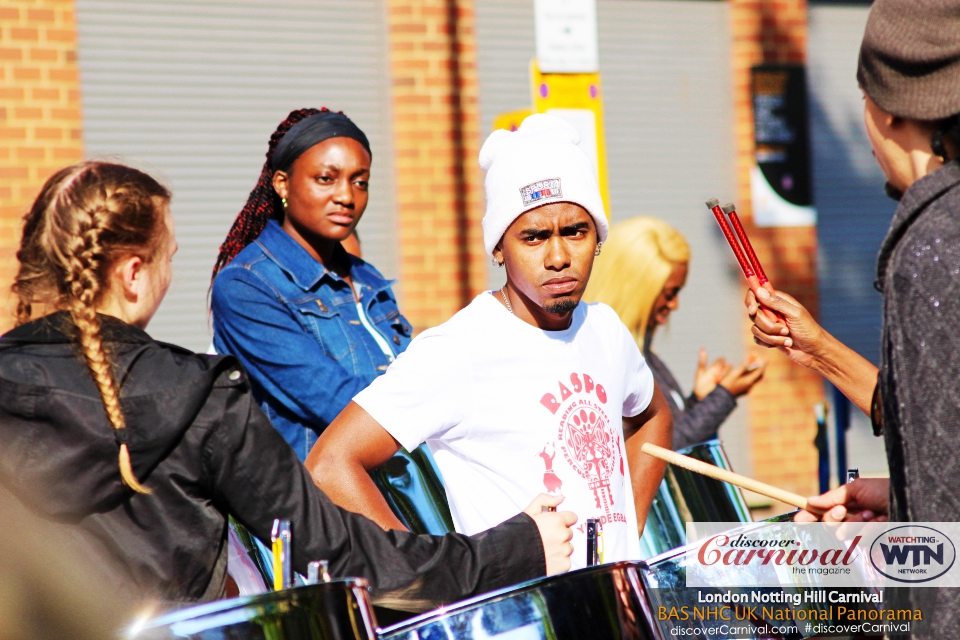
point(748, 632)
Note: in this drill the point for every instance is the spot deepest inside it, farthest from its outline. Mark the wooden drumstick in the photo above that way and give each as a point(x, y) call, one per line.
point(715, 472)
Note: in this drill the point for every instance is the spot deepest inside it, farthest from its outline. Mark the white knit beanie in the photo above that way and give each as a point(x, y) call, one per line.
point(539, 163)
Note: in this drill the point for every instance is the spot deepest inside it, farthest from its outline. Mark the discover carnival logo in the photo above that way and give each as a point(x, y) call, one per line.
point(912, 553)
point(851, 555)
point(743, 550)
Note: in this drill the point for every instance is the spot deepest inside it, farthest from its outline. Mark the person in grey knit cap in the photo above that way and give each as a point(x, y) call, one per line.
point(909, 71)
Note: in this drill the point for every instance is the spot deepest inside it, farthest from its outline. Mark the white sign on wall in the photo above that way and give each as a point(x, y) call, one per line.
point(567, 36)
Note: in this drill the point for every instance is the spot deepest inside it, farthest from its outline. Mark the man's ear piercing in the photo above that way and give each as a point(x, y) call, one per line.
point(496, 262)
point(597, 252)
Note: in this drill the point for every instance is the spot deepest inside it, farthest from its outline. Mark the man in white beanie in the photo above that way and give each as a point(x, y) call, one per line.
point(527, 389)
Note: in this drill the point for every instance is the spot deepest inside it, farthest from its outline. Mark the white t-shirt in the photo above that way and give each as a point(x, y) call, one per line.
point(510, 411)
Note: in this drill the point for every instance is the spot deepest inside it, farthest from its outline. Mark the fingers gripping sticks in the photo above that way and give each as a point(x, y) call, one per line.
point(749, 263)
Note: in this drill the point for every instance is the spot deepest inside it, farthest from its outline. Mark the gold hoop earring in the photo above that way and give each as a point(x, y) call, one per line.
point(597, 252)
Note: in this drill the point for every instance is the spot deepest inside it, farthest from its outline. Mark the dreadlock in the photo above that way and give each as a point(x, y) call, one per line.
point(263, 204)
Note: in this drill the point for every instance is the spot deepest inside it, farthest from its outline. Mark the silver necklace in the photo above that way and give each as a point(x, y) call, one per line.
point(506, 300)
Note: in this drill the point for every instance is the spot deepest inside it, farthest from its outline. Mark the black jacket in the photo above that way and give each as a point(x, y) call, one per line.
point(204, 448)
point(918, 273)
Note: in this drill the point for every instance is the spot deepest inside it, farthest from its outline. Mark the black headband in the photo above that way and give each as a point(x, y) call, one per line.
point(314, 130)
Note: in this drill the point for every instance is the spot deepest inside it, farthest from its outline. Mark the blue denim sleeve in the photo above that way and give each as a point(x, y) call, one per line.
point(281, 356)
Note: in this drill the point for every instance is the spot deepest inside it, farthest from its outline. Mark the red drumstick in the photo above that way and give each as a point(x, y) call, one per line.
point(748, 272)
point(714, 205)
point(731, 210)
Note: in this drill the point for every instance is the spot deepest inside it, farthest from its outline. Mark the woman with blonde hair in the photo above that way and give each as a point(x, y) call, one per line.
point(640, 274)
point(141, 449)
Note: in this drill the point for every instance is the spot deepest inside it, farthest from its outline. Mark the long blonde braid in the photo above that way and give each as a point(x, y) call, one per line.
point(86, 217)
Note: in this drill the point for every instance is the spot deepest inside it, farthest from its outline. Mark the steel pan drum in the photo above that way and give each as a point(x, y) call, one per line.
point(249, 561)
point(336, 610)
point(411, 485)
point(685, 496)
point(597, 602)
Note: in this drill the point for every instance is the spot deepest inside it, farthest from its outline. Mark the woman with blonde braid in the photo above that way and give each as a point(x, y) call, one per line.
point(141, 449)
point(640, 274)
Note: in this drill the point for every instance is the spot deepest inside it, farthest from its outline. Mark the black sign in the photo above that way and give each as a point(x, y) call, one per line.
point(781, 132)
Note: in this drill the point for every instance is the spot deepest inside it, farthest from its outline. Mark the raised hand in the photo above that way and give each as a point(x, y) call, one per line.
point(706, 377)
point(739, 380)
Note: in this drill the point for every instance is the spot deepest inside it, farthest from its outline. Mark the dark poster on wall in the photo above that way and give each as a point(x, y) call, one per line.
point(780, 180)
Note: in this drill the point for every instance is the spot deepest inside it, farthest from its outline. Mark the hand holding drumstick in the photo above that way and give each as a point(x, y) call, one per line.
point(704, 468)
point(863, 500)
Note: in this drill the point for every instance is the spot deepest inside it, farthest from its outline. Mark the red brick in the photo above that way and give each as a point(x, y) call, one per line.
point(11, 54)
point(12, 173)
point(41, 15)
point(13, 133)
point(26, 73)
point(11, 93)
point(48, 133)
point(60, 35)
point(24, 34)
point(45, 94)
point(68, 154)
point(28, 113)
point(65, 74)
point(65, 114)
point(45, 55)
point(31, 153)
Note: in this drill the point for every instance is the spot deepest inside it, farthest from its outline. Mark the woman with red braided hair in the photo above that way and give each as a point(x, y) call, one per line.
point(311, 324)
point(141, 449)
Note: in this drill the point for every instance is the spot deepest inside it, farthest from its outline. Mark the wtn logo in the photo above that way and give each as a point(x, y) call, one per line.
point(922, 553)
point(912, 554)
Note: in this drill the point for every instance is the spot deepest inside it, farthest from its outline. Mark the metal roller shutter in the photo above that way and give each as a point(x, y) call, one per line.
point(505, 46)
point(853, 213)
point(192, 90)
point(669, 119)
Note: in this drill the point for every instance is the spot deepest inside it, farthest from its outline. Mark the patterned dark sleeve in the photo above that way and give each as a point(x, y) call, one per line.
point(703, 418)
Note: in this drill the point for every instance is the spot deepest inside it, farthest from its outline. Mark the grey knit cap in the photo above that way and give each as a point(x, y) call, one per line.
point(910, 58)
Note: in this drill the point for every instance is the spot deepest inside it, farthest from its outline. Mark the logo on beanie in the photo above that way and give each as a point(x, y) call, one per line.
point(541, 190)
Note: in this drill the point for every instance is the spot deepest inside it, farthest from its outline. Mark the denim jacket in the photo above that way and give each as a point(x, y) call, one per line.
point(294, 326)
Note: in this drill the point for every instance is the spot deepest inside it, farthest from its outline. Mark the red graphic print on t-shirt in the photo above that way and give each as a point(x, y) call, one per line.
point(551, 481)
point(589, 449)
point(589, 443)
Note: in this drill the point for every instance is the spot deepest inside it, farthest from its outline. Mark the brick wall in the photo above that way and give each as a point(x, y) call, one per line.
point(436, 128)
point(40, 124)
point(782, 426)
